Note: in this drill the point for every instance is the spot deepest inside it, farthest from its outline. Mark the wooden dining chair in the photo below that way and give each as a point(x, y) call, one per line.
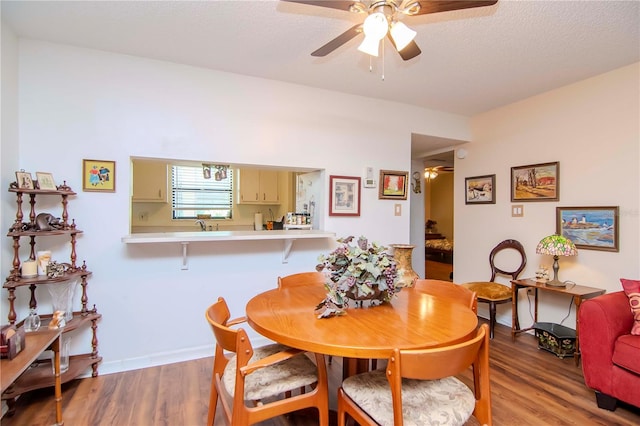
point(302, 278)
point(418, 387)
point(255, 384)
point(447, 290)
point(495, 293)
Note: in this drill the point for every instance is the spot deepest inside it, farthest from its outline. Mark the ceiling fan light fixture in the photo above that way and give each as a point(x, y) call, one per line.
point(376, 26)
point(401, 34)
point(430, 174)
point(369, 46)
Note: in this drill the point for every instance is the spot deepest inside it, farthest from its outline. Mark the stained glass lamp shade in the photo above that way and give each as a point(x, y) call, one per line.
point(556, 245)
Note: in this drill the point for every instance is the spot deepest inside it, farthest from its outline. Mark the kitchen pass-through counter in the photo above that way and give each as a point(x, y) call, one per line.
point(184, 238)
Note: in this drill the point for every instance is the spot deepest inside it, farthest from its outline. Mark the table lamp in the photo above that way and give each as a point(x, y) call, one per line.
point(556, 245)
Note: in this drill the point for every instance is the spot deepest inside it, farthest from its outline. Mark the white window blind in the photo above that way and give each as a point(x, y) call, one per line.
point(194, 195)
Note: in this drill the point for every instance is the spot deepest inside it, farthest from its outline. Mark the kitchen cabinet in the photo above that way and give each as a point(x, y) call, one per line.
point(258, 187)
point(149, 181)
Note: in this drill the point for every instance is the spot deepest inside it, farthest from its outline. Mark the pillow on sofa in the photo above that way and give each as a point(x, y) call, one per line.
point(632, 290)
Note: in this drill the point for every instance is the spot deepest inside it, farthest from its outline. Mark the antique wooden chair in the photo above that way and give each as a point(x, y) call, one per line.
point(418, 387)
point(448, 290)
point(495, 293)
point(255, 384)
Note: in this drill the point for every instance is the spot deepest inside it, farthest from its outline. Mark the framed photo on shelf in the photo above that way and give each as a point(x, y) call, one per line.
point(393, 185)
point(591, 228)
point(24, 180)
point(45, 181)
point(344, 196)
point(98, 175)
point(480, 189)
point(536, 182)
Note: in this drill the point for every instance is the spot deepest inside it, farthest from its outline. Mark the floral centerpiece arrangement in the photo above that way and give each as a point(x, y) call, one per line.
point(356, 272)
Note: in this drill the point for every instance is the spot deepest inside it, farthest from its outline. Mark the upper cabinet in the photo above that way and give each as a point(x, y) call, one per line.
point(149, 181)
point(258, 187)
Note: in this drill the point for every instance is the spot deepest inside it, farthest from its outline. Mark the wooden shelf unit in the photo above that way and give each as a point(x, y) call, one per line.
point(39, 375)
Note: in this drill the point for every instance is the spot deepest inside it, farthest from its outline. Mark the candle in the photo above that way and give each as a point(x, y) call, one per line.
point(29, 268)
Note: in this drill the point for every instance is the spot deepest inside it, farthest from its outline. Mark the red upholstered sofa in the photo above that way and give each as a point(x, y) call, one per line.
point(610, 354)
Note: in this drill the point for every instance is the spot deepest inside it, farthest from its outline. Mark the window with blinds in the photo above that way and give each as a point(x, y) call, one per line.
point(194, 195)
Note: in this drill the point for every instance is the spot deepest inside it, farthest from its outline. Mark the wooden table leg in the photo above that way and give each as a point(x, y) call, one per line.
point(576, 354)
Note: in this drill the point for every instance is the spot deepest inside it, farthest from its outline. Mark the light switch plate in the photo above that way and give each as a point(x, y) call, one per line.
point(398, 209)
point(517, 210)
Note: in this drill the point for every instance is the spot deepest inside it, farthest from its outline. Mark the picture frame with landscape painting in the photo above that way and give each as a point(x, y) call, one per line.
point(536, 182)
point(591, 228)
point(480, 189)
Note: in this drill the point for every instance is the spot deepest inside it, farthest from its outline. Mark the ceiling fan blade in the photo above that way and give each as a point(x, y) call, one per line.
point(435, 6)
point(333, 4)
point(410, 51)
point(338, 41)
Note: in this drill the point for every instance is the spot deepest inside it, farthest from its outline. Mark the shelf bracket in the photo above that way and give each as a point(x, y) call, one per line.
point(287, 249)
point(185, 259)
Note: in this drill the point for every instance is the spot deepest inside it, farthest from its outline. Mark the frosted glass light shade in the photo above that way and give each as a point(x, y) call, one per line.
point(369, 46)
point(402, 35)
point(376, 26)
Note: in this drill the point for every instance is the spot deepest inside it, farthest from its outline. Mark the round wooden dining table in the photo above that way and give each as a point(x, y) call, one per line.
point(413, 320)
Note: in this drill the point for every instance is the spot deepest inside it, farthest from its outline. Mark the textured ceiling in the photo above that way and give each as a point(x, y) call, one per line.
point(472, 60)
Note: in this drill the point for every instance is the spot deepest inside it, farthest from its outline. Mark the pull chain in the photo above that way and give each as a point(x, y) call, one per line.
point(383, 59)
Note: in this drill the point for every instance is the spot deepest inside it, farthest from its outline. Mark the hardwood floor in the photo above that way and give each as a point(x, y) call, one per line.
point(438, 270)
point(529, 387)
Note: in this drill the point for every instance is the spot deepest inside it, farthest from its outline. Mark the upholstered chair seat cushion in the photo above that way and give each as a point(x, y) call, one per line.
point(488, 290)
point(445, 401)
point(273, 380)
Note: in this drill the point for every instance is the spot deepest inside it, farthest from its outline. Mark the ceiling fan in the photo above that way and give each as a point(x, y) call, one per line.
point(432, 172)
point(383, 19)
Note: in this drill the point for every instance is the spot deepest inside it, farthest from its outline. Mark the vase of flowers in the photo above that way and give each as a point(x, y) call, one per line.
point(356, 273)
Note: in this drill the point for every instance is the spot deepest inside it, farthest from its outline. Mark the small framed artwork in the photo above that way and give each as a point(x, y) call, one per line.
point(480, 189)
point(45, 181)
point(99, 175)
point(344, 196)
point(536, 182)
point(393, 185)
point(591, 228)
point(24, 180)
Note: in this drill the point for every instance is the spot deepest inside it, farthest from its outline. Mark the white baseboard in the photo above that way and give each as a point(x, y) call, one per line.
point(154, 360)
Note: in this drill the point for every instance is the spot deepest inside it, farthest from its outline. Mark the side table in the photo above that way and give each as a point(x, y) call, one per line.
point(35, 343)
point(578, 292)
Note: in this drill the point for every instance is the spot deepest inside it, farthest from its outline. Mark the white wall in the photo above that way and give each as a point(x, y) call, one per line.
point(592, 128)
point(83, 104)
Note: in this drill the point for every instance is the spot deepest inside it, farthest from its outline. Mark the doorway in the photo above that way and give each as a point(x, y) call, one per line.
point(438, 208)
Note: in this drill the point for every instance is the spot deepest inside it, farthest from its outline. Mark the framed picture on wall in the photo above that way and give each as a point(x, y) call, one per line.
point(480, 189)
point(344, 196)
point(98, 175)
point(393, 185)
point(536, 182)
point(591, 228)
